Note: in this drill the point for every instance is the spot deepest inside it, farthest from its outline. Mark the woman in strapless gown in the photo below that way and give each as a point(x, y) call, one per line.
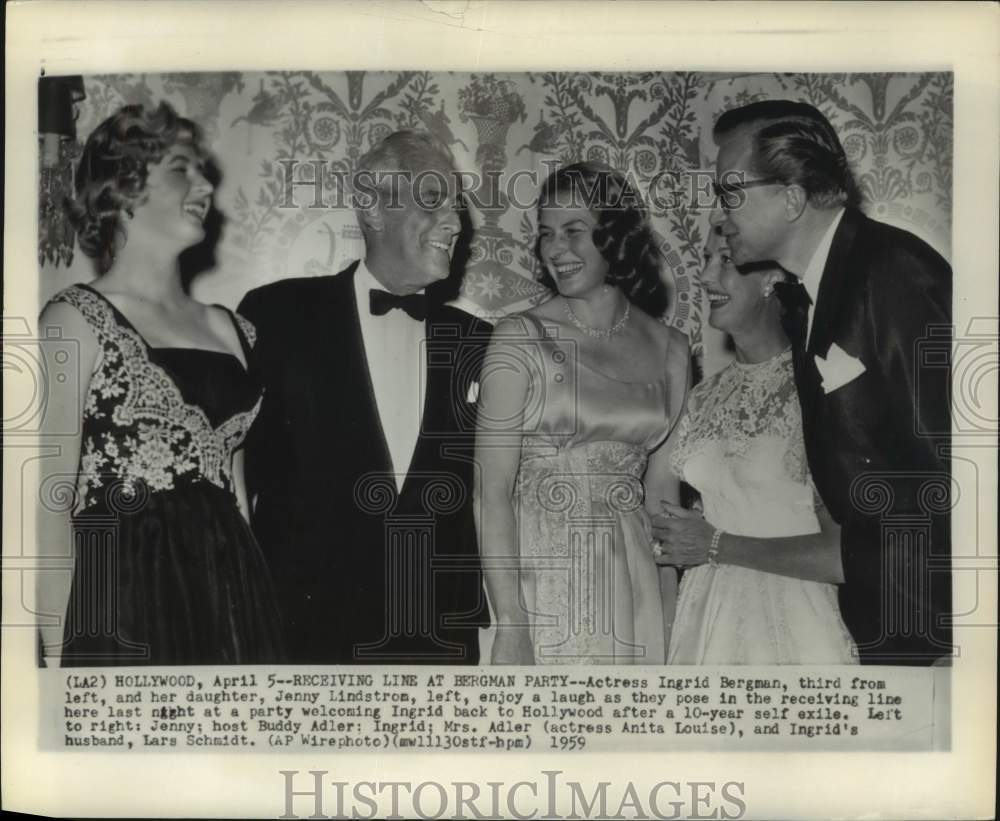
point(165, 568)
point(576, 396)
point(763, 557)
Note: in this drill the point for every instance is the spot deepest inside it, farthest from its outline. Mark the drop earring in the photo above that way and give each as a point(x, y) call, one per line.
point(768, 290)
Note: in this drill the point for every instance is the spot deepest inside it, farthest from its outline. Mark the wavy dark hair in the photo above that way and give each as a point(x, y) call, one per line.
point(111, 177)
point(623, 235)
point(794, 143)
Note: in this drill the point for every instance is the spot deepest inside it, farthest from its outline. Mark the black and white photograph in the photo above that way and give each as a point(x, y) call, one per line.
point(357, 396)
point(309, 401)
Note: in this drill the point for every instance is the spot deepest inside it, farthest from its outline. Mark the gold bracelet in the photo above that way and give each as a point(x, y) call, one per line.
point(713, 550)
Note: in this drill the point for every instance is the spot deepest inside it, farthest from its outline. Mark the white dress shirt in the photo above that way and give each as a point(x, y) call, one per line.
point(394, 347)
point(814, 271)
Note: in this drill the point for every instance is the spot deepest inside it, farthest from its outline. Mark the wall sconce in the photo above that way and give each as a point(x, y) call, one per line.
point(58, 98)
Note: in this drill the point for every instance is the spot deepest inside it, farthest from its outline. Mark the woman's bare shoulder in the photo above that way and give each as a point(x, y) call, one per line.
point(516, 326)
point(668, 338)
point(549, 311)
point(529, 323)
point(678, 343)
point(676, 352)
point(65, 315)
point(65, 321)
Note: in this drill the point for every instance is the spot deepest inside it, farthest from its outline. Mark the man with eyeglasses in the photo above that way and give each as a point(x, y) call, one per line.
point(869, 315)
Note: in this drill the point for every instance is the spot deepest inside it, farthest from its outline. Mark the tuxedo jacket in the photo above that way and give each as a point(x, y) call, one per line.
point(878, 444)
point(365, 573)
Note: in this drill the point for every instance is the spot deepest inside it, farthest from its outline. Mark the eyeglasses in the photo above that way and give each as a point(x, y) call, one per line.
point(731, 195)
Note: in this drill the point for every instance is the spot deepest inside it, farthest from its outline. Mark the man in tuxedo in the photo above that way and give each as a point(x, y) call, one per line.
point(869, 313)
point(360, 463)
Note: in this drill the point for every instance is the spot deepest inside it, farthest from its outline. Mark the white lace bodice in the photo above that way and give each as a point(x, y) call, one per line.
point(740, 445)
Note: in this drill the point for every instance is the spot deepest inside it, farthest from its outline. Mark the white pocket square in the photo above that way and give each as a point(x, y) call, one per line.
point(473, 394)
point(838, 368)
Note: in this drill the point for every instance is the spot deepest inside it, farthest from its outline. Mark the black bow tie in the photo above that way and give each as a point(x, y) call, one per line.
point(381, 302)
point(796, 301)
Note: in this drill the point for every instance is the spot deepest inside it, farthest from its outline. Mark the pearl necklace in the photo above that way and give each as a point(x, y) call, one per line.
point(598, 333)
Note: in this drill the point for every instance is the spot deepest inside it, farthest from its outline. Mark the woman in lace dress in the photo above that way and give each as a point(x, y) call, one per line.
point(166, 570)
point(575, 395)
point(764, 560)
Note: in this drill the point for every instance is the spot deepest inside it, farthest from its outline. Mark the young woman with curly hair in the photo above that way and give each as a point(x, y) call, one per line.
point(166, 570)
point(576, 395)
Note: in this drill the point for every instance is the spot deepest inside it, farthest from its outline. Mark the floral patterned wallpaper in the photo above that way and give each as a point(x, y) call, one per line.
point(896, 129)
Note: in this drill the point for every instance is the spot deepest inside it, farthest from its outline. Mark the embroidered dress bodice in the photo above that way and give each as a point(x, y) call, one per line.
point(159, 418)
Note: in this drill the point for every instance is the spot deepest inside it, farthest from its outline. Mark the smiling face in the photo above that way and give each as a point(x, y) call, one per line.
point(737, 302)
point(756, 229)
point(566, 247)
point(411, 233)
point(176, 200)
